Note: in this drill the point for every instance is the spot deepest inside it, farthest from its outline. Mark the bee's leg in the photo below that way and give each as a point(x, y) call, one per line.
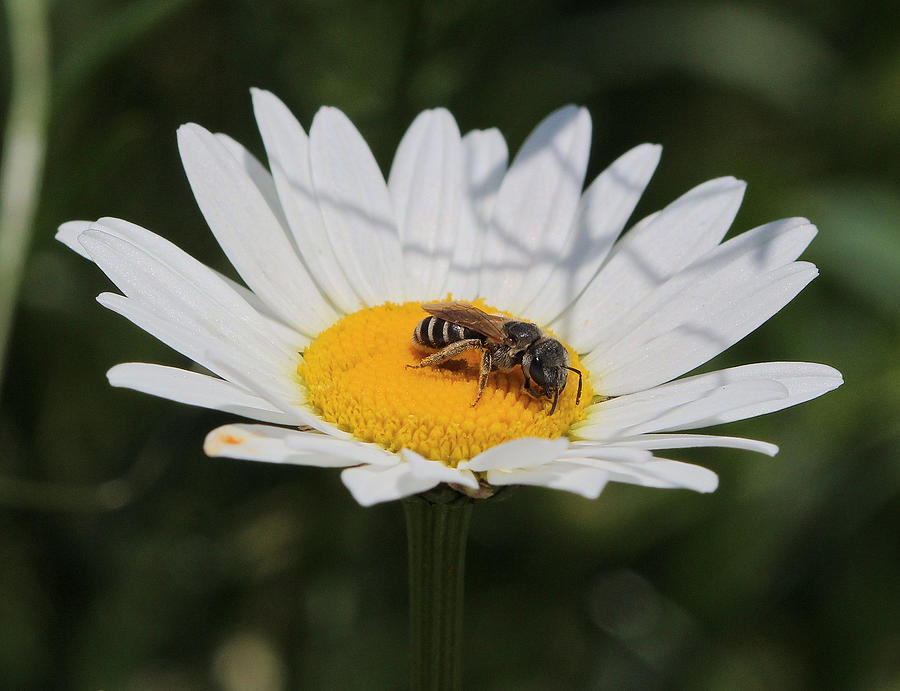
point(531, 392)
point(486, 363)
point(449, 352)
point(555, 401)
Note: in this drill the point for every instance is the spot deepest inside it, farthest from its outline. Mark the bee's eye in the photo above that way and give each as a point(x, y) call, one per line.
point(538, 372)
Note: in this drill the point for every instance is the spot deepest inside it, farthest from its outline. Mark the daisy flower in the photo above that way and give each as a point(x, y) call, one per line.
point(336, 263)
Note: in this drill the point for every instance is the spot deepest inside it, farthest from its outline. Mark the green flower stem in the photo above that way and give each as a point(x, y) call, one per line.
point(437, 525)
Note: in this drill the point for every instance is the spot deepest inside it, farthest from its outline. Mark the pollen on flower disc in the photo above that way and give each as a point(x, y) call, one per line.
point(357, 377)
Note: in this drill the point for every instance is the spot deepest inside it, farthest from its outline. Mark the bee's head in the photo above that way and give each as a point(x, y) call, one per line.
point(520, 335)
point(547, 363)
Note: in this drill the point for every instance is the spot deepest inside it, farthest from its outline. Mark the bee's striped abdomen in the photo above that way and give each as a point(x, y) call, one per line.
point(434, 332)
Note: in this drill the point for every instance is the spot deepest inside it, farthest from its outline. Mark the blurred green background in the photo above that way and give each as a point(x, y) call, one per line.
point(131, 561)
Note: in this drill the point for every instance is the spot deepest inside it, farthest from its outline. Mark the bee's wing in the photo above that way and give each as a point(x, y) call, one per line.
point(464, 314)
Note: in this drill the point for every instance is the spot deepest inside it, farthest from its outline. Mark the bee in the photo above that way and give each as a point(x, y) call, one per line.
point(455, 327)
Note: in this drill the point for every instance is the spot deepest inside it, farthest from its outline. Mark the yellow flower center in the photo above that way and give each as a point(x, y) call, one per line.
point(357, 378)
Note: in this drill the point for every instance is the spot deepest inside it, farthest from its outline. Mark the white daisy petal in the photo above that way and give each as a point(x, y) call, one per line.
point(685, 441)
point(287, 148)
point(678, 408)
point(257, 174)
point(310, 443)
point(231, 300)
point(615, 454)
point(240, 441)
point(426, 469)
point(570, 477)
point(185, 340)
point(287, 393)
point(535, 208)
point(518, 453)
point(658, 472)
point(356, 207)
point(803, 380)
point(176, 336)
point(196, 389)
point(486, 160)
point(426, 184)
point(684, 336)
point(724, 274)
point(602, 213)
point(647, 255)
point(485, 157)
point(375, 484)
point(280, 445)
point(68, 233)
point(198, 302)
point(708, 399)
point(249, 233)
point(679, 474)
point(273, 321)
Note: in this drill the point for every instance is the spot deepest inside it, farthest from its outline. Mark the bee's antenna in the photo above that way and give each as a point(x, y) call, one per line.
point(578, 393)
